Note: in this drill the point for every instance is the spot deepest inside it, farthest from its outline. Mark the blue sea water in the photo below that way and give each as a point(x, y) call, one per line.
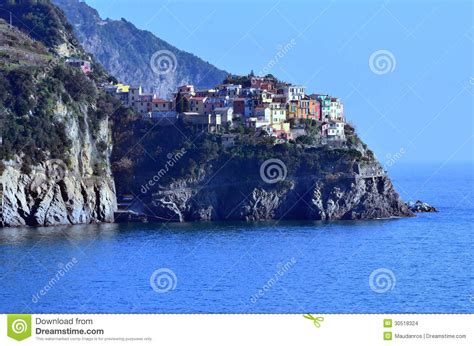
point(409, 265)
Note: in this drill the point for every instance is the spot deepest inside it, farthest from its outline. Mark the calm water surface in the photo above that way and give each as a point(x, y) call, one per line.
point(257, 267)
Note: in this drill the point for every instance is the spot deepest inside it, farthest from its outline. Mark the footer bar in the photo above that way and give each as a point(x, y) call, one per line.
point(238, 329)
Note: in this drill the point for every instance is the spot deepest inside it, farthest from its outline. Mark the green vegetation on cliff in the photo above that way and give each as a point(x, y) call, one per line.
point(35, 82)
point(41, 20)
point(143, 150)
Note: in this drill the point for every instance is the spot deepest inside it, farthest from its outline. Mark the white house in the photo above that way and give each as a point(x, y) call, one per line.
point(256, 123)
point(266, 96)
point(337, 110)
point(333, 110)
point(233, 90)
point(333, 131)
point(294, 92)
point(226, 114)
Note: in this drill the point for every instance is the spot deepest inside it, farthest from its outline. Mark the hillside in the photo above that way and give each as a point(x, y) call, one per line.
point(126, 51)
point(54, 125)
point(191, 176)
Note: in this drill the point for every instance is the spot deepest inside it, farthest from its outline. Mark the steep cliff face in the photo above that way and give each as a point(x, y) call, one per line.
point(54, 126)
point(38, 200)
point(126, 52)
point(60, 193)
point(343, 196)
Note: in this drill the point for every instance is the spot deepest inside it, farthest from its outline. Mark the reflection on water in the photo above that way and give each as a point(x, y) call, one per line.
point(19, 235)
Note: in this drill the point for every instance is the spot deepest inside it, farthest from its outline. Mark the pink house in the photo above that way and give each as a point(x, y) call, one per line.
point(84, 65)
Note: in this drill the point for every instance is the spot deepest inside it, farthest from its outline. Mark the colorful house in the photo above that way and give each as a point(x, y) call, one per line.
point(308, 109)
point(331, 107)
point(243, 106)
point(84, 65)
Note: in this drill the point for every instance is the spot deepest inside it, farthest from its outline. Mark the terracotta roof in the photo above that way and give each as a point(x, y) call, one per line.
point(159, 101)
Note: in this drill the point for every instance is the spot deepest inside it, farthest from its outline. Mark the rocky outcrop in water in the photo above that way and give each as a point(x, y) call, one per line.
point(421, 207)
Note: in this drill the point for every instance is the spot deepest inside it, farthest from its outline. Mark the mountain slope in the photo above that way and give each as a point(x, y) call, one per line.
point(54, 125)
point(126, 52)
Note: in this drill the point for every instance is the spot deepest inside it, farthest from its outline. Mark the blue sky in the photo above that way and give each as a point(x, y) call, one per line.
point(418, 107)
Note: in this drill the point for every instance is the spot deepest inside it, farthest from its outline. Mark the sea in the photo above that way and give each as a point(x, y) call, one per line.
point(422, 264)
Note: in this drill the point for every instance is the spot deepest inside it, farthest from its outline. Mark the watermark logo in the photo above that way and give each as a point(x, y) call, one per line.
point(273, 171)
point(63, 269)
point(173, 159)
point(163, 280)
point(282, 270)
point(282, 51)
point(382, 280)
point(391, 159)
point(163, 62)
point(316, 320)
point(48, 68)
point(19, 326)
point(382, 62)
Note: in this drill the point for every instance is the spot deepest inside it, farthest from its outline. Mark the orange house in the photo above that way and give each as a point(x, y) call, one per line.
point(308, 109)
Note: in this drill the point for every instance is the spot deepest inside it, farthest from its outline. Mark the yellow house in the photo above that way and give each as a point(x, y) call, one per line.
point(292, 109)
point(277, 113)
point(122, 88)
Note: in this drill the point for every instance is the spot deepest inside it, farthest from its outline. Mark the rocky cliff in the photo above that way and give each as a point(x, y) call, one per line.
point(60, 192)
point(55, 135)
point(341, 196)
point(255, 179)
point(137, 56)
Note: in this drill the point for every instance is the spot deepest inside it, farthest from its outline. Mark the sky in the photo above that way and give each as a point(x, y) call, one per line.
point(403, 69)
